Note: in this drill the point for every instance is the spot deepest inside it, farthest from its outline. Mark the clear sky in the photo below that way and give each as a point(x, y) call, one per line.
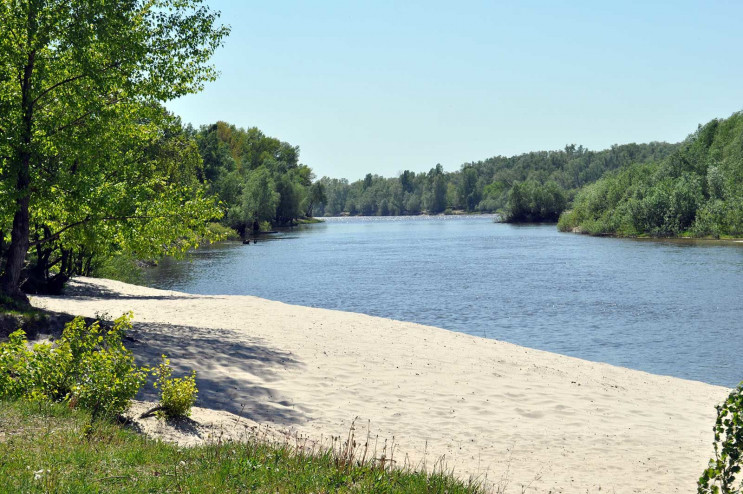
point(383, 86)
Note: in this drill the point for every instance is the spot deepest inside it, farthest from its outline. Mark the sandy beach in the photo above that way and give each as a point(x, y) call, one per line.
point(519, 416)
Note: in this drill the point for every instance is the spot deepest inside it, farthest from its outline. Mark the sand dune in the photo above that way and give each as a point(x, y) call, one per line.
point(555, 423)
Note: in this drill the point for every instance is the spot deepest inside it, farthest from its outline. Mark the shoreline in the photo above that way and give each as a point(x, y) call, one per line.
point(489, 408)
point(645, 237)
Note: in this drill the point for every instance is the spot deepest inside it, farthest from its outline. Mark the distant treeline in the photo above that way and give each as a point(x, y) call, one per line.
point(259, 180)
point(695, 191)
point(534, 186)
point(691, 188)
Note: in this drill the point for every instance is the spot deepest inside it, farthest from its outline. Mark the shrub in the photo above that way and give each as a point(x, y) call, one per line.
point(88, 366)
point(221, 232)
point(177, 394)
point(720, 476)
point(107, 378)
point(531, 201)
point(14, 359)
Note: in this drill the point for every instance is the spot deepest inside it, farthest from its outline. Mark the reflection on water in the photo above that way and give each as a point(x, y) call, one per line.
point(665, 307)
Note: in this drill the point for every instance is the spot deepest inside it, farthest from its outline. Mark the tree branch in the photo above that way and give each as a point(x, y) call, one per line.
point(72, 123)
point(82, 117)
point(71, 79)
point(89, 219)
point(55, 86)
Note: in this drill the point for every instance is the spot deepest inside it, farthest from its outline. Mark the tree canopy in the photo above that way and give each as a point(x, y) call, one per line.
point(696, 191)
point(487, 186)
point(87, 156)
point(257, 178)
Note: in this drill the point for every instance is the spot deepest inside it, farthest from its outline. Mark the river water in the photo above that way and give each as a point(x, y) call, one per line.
point(666, 307)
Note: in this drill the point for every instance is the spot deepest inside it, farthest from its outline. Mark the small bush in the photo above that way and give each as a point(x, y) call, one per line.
point(88, 366)
point(720, 476)
point(13, 366)
point(221, 232)
point(177, 394)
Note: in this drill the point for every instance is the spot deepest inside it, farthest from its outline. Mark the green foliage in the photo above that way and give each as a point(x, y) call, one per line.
point(723, 470)
point(469, 192)
point(90, 163)
point(88, 366)
point(221, 232)
point(696, 191)
point(533, 202)
point(258, 202)
point(257, 178)
point(120, 266)
point(14, 357)
point(103, 377)
point(177, 394)
point(436, 200)
point(486, 186)
point(316, 195)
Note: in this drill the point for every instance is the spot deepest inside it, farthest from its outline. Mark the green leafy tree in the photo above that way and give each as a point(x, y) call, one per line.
point(437, 199)
point(232, 154)
point(531, 201)
point(259, 202)
point(137, 195)
point(407, 181)
point(291, 195)
point(695, 191)
point(68, 71)
point(315, 196)
point(468, 190)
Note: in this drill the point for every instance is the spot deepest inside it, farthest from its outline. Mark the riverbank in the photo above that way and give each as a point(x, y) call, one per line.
point(724, 239)
point(491, 408)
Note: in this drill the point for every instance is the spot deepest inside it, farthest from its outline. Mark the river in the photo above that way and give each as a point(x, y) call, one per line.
point(666, 307)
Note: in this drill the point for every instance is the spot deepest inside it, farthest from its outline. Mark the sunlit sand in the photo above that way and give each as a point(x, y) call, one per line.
point(488, 408)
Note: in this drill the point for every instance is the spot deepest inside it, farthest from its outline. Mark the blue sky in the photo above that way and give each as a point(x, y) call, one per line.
point(385, 86)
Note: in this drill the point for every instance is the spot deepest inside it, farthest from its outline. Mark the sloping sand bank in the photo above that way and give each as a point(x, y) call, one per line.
point(528, 417)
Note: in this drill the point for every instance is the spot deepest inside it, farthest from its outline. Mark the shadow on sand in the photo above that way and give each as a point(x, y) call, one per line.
point(233, 370)
point(81, 289)
point(230, 375)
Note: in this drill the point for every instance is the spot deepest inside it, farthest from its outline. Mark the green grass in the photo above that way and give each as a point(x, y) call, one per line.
point(13, 310)
point(8, 306)
point(13, 317)
point(52, 448)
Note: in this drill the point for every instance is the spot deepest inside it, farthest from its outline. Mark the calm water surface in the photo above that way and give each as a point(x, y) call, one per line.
point(663, 307)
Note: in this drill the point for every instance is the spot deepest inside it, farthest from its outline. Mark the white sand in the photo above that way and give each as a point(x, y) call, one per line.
point(556, 423)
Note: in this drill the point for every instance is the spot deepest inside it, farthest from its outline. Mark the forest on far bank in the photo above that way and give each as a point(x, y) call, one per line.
point(696, 191)
point(656, 188)
point(260, 182)
point(534, 186)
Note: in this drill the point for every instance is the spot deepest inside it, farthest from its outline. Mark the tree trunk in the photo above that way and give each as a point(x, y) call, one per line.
point(10, 282)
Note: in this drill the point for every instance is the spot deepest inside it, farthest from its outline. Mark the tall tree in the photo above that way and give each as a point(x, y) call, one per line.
point(69, 67)
point(316, 195)
point(259, 202)
point(134, 191)
point(468, 193)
